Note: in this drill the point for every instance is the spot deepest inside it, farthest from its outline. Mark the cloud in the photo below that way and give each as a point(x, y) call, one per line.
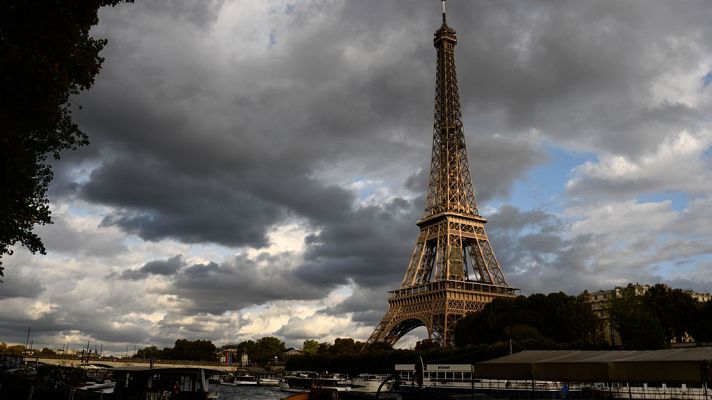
point(678, 164)
point(158, 267)
point(17, 285)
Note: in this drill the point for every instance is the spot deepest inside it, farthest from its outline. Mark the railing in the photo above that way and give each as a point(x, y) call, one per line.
point(453, 285)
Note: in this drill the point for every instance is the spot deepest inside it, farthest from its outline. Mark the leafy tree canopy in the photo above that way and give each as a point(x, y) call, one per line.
point(267, 349)
point(46, 56)
point(537, 321)
point(701, 325)
point(656, 318)
point(190, 350)
point(310, 346)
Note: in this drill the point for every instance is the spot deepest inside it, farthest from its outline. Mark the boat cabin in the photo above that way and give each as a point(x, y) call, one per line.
point(142, 383)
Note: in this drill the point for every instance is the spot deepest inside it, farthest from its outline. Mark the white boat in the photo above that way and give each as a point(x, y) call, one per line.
point(369, 383)
point(245, 380)
point(239, 380)
point(458, 378)
point(104, 387)
point(298, 382)
point(267, 379)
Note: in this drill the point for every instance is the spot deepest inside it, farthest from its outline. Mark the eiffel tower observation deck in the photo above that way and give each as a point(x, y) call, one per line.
point(453, 270)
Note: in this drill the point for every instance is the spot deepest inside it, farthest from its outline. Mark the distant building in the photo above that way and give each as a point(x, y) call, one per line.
point(228, 356)
point(291, 352)
point(601, 301)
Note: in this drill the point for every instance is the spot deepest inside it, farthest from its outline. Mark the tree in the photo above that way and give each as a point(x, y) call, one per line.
point(674, 309)
point(15, 349)
point(246, 347)
point(701, 326)
point(535, 321)
point(323, 348)
point(196, 350)
point(46, 56)
point(47, 352)
point(149, 352)
point(267, 349)
point(426, 344)
point(310, 346)
point(345, 346)
point(638, 326)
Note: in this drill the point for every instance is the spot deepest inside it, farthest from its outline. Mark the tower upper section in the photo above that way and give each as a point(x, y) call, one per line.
point(450, 184)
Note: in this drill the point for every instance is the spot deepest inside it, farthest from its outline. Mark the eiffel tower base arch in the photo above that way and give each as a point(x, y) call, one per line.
point(437, 306)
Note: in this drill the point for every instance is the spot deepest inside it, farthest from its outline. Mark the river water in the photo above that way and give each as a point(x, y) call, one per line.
point(249, 392)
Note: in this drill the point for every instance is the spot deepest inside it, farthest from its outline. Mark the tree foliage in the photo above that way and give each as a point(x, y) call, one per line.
point(46, 56)
point(701, 325)
point(543, 321)
point(655, 319)
point(674, 309)
point(636, 324)
point(267, 349)
point(189, 350)
point(310, 346)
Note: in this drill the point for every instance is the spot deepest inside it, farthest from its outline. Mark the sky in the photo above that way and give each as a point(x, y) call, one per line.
point(256, 167)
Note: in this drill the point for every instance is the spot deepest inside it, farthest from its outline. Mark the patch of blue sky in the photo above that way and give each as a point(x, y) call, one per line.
point(216, 252)
point(363, 188)
point(290, 8)
point(132, 241)
point(679, 200)
point(707, 154)
point(682, 267)
point(707, 79)
point(79, 210)
point(544, 184)
point(272, 38)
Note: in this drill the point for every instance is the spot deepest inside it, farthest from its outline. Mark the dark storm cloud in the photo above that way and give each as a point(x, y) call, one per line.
point(215, 288)
point(367, 305)
point(172, 174)
point(369, 247)
point(200, 13)
point(579, 72)
point(534, 252)
point(69, 315)
point(157, 267)
point(17, 285)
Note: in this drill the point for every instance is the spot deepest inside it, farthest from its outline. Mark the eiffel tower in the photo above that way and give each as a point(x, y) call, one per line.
point(453, 270)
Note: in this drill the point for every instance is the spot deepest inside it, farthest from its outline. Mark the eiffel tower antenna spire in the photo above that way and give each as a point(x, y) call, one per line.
point(452, 270)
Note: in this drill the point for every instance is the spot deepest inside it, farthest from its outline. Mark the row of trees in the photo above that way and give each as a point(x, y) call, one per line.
point(13, 349)
point(20, 349)
point(190, 350)
point(659, 317)
point(262, 351)
point(555, 320)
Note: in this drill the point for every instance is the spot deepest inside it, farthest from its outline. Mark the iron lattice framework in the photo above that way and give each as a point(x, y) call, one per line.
point(453, 270)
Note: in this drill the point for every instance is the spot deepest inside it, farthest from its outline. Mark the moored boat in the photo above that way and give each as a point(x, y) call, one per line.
point(267, 379)
point(304, 381)
point(369, 383)
point(140, 383)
